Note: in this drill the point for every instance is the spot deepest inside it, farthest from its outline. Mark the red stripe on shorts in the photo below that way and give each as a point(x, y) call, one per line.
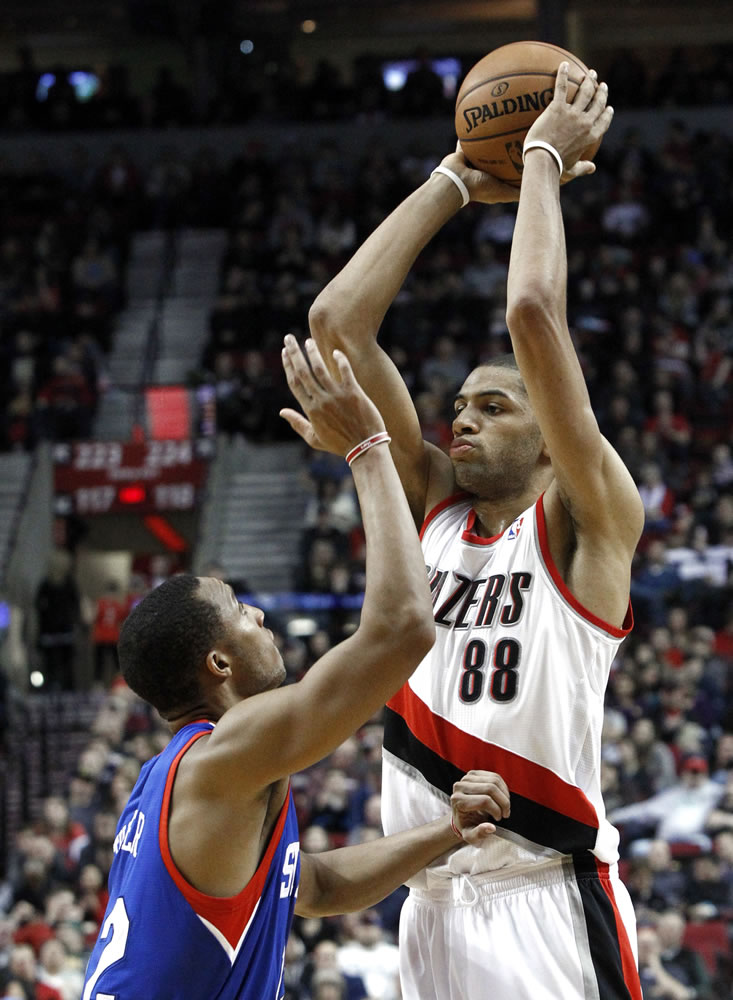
point(628, 962)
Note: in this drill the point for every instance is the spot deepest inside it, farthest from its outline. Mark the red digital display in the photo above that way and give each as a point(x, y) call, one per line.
point(109, 477)
point(131, 494)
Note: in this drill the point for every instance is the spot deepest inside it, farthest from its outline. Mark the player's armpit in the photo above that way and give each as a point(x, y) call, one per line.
point(601, 499)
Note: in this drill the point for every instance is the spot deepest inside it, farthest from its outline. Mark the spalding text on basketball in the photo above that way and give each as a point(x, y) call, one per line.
point(537, 100)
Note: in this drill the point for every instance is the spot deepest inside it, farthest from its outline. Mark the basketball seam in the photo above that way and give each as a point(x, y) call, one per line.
point(569, 57)
point(557, 48)
point(497, 135)
point(506, 76)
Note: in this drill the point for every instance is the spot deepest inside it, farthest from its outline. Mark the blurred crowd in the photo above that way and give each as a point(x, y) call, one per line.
point(650, 306)
point(244, 85)
point(62, 254)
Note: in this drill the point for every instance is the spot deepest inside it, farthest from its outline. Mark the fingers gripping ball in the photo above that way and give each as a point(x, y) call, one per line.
point(501, 97)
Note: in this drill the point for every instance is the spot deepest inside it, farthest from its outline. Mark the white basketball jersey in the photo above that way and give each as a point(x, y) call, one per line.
point(514, 684)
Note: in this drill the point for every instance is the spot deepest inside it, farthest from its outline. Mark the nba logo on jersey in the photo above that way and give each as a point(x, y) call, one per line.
point(515, 529)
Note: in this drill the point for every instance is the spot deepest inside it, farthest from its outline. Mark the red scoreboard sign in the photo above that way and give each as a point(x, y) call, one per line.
point(112, 477)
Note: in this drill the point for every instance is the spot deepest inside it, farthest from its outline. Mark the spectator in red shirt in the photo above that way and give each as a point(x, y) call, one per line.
point(724, 637)
point(112, 609)
point(672, 428)
point(68, 836)
point(22, 967)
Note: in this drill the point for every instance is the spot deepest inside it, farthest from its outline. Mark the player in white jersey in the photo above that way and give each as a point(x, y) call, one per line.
point(529, 527)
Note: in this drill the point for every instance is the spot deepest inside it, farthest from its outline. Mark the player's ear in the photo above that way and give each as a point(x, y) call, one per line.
point(218, 665)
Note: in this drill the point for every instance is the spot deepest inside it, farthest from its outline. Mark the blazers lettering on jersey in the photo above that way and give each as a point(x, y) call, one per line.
point(488, 593)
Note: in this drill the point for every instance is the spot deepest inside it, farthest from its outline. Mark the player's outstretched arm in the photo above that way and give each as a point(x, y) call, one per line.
point(593, 491)
point(348, 313)
point(353, 878)
point(270, 735)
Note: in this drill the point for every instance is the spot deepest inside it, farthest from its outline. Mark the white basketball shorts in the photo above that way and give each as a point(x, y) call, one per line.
point(561, 930)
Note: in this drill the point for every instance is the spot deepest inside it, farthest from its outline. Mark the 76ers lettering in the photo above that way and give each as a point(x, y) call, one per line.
point(290, 866)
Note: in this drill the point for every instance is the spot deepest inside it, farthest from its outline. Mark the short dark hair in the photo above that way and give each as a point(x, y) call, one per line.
point(507, 361)
point(501, 361)
point(164, 640)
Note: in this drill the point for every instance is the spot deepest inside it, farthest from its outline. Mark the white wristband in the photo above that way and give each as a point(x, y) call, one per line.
point(456, 180)
point(540, 144)
point(381, 438)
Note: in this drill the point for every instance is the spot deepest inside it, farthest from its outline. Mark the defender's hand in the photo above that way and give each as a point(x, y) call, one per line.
point(338, 413)
point(476, 797)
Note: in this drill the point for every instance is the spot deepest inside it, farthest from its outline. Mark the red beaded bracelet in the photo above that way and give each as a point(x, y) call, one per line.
point(455, 829)
point(359, 449)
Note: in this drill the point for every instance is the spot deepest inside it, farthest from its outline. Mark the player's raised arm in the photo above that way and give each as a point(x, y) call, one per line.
point(268, 736)
point(593, 494)
point(349, 311)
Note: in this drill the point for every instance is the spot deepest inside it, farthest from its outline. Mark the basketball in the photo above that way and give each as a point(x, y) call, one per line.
point(502, 95)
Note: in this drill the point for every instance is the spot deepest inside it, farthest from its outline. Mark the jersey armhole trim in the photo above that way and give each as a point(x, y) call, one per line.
point(203, 904)
point(564, 590)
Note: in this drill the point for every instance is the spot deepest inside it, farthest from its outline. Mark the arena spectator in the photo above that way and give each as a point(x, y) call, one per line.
point(422, 94)
point(707, 885)
point(58, 605)
point(325, 958)
point(57, 972)
point(677, 814)
point(679, 961)
point(655, 583)
point(657, 497)
point(656, 760)
point(112, 608)
point(368, 955)
point(68, 836)
point(23, 969)
point(656, 981)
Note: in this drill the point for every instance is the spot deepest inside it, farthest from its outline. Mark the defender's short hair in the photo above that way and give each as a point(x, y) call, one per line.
point(164, 641)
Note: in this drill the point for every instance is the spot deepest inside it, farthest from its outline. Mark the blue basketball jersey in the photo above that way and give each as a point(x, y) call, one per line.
point(161, 939)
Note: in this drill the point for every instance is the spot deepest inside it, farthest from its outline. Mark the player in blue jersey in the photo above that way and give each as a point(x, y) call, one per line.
point(207, 869)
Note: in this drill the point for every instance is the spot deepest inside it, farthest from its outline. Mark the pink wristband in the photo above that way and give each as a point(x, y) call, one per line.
point(359, 449)
point(455, 829)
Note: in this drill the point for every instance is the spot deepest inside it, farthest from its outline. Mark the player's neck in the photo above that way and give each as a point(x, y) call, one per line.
point(198, 713)
point(494, 517)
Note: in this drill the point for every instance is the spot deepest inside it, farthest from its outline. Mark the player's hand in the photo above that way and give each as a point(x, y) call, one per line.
point(477, 798)
point(481, 186)
point(338, 413)
point(574, 127)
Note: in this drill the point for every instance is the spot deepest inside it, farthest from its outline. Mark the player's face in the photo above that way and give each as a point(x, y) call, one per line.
point(248, 645)
point(496, 440)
